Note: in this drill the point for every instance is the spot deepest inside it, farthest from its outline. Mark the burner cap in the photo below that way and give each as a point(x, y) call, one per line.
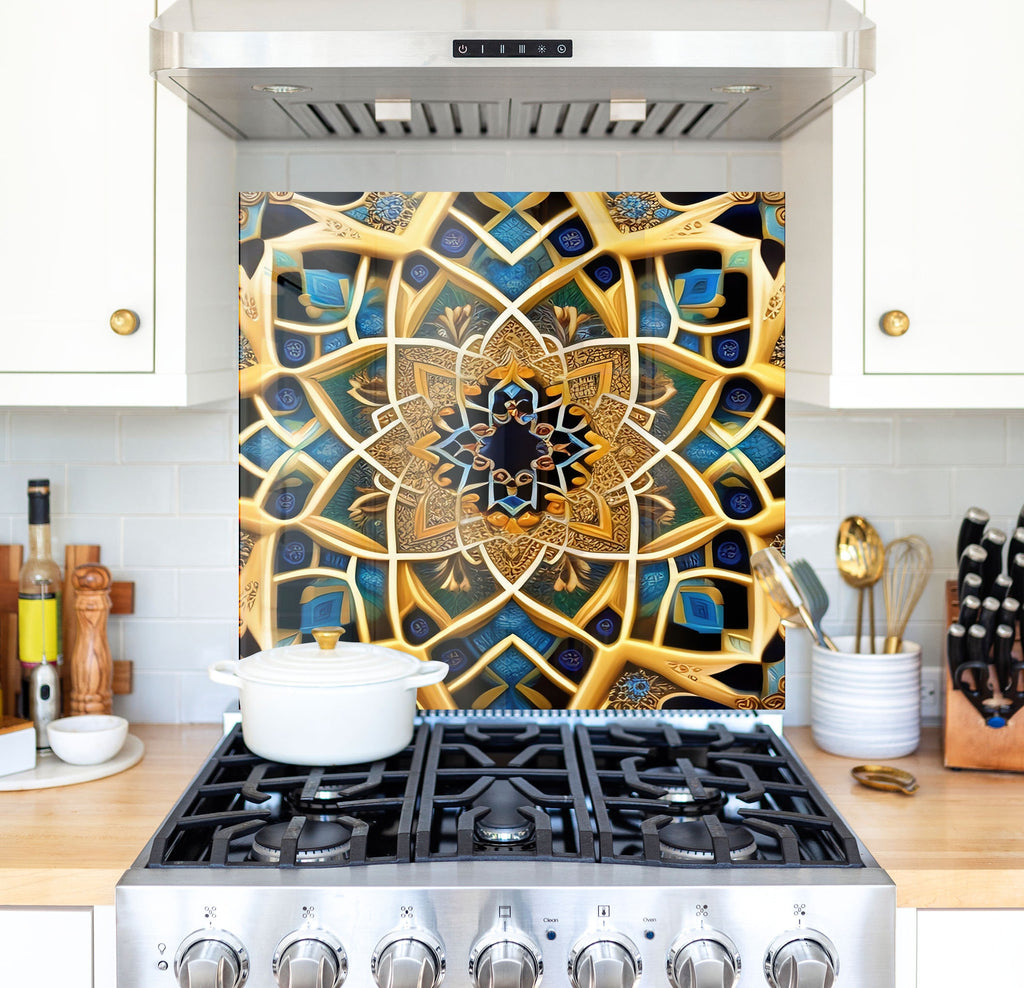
point(502, 823)
point(318, 842)
point(691, 841)
point(684, 803)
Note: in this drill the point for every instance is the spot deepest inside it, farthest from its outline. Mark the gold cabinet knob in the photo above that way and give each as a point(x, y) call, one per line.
point(327, 638)
point(895, 322)
point(124, 322)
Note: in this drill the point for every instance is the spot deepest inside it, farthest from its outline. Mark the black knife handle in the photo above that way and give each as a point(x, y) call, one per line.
point(956, 650)
point(970, 608)
point(1001, 586)
point(993, 542)
point(972, 560)
point(1017, 575)
point(1016, 545)
point(1002, 659)
point(977, 658)
point(1009, 612)
point(1020, 518)
point(971, 587)
point(971, 528)
point(989, 618)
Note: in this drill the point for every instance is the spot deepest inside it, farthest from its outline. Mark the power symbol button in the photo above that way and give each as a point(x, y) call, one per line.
point(463, 49)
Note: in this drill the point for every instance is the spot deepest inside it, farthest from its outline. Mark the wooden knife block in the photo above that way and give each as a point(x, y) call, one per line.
point(122, 596)
point(967, 741)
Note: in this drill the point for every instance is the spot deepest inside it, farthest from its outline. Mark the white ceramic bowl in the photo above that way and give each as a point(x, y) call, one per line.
point(88, 739)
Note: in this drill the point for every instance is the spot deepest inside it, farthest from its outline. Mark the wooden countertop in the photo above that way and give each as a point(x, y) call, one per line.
point(957, 843)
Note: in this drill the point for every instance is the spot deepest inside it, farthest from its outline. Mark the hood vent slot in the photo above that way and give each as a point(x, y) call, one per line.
point(581, 118)
point(354, 119)
point(572, 119)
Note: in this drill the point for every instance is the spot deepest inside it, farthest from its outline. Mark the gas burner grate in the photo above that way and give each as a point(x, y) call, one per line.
point(644, 794)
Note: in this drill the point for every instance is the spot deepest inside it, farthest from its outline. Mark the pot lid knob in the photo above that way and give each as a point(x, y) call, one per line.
point(327, 638)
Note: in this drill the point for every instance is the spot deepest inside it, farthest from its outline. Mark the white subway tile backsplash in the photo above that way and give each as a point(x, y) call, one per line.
point(337, 171)
point(898, 493)
point(209, 593)
point(179, 645)
point(755, 171)
point(257, 171)
point(14, 478)
point(101, 530)
point(691, 172)
point(929, 440)
point(155, 698)
point(572, 165)
point(447, 172)
point(820, 440)
point(180, 542)
point(202, 700)
point(120, 489)
point(176, 437)
point(812, 492)
point(65, 437)
point(209, 490)
point(999, 490)
point(156, 592)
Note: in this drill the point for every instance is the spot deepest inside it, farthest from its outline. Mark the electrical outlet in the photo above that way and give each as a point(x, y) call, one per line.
point(931, 694)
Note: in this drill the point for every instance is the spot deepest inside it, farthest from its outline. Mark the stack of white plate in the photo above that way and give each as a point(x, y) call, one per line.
point(866, 705)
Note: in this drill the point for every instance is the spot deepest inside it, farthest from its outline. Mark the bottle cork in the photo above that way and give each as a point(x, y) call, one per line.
point(92, 670)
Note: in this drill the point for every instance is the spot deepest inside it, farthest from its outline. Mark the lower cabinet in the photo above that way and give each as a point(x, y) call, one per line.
point(48, 947)
point(969, 947)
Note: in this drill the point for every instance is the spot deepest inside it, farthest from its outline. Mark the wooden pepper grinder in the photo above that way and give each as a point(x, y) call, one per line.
point(92, 671)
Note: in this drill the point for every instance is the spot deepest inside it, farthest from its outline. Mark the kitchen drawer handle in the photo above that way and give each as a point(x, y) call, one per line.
point(895, 322)
point(124, 322)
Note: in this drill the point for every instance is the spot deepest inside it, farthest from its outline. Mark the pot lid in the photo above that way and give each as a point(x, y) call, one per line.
point(328, 662)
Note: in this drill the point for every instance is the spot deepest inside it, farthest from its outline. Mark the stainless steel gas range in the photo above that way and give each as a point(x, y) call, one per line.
point(694, 851)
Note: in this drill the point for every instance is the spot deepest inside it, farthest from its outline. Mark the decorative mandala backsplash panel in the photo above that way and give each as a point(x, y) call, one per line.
point(534, 435)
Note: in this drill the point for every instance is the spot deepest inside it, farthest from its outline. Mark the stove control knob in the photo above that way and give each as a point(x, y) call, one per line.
point(608, 960)
point(211, 959)
point(408, 959)
point(707, 960)
point(801, 959)
point(505, 962)
point(310, 959)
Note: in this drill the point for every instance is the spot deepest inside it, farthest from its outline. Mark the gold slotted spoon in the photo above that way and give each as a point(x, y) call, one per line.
point(860, 558)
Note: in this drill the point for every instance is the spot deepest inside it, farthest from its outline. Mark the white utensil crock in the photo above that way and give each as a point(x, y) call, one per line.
point(863, 705)
point(336, 705)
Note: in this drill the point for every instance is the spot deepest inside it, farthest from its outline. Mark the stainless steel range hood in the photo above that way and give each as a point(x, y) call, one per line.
point(401, 69)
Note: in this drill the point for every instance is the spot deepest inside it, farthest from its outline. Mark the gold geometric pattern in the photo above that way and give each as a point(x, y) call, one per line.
point(534, 435)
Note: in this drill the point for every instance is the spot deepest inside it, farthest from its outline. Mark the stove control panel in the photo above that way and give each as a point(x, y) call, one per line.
point(709, 960)
point(455, 935)
point(801, 959)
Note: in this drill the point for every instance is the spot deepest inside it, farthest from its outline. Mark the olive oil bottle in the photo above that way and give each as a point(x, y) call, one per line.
point(39, 599)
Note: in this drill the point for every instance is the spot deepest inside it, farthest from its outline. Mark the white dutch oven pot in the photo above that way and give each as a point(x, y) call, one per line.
point(327, 703)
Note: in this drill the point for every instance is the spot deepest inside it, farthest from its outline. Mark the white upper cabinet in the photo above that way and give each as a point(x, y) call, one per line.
point(903, 199)
point(97, 220)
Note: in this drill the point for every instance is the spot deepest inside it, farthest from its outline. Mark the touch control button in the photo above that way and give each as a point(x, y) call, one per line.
point(801, 959)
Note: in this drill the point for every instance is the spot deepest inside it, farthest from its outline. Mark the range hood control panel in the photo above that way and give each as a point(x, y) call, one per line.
point(512, 48)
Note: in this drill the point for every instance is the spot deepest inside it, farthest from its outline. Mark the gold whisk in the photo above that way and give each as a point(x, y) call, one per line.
point(908, 564)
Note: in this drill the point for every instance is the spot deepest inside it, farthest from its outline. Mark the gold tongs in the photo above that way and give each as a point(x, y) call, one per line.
point(885, 777)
